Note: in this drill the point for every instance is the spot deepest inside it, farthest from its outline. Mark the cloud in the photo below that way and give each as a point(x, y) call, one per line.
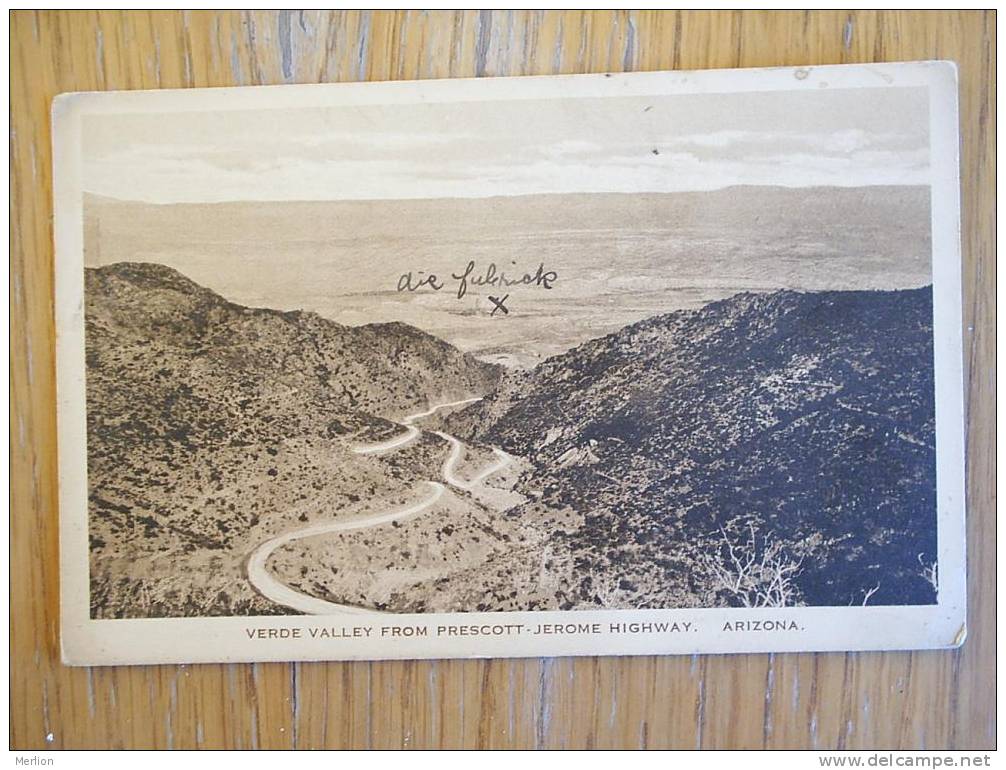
point(317, 163)
point(717, 139)
point(382, 140)
point(286, 177)
point(773, 142)
point(569, 147)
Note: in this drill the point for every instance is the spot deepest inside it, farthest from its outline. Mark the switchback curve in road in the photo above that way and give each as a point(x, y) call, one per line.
point(411, 431)
point(284, 595)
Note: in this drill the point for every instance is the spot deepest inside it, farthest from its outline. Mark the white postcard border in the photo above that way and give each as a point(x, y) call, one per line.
point(230, 639)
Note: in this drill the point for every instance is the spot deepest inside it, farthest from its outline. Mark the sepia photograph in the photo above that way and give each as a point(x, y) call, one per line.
point(528, 379)
point(615, 347)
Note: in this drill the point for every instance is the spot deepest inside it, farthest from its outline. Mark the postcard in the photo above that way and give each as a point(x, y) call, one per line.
point(653, 363)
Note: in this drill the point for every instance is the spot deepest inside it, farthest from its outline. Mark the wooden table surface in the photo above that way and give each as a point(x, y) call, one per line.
point(876, 700)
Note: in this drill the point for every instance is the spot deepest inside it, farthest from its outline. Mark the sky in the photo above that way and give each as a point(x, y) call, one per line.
point(848, 138)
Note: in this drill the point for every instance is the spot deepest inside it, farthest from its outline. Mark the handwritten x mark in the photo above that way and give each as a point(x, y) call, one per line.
point(499, 305)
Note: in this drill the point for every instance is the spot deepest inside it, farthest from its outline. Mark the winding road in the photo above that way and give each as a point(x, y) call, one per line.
point(457, 452)
point(281, 593)
point(411, 431)
point(266, 584)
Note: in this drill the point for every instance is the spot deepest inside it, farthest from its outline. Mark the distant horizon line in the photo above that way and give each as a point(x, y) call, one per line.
point(135, 263)
point(112, 198)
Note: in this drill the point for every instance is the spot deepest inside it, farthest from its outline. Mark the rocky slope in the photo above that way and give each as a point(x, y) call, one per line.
point(796, 427)
point(212, 425)
point(786, 436)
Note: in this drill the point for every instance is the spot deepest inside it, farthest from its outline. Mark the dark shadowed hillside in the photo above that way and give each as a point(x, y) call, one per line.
point(764, 450)
point(795, 428)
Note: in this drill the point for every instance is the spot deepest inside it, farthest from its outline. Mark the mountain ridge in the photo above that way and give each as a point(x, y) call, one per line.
point(795, 409)
point(211, 424)
point(798, 425)
point(99, 198)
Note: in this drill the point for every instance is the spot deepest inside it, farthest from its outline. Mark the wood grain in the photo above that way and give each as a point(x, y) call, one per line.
point(893, 700)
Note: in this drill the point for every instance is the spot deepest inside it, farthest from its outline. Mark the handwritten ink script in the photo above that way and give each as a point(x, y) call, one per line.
point(491, 277)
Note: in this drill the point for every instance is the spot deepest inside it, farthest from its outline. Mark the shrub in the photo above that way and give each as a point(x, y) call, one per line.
point(749, 569)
